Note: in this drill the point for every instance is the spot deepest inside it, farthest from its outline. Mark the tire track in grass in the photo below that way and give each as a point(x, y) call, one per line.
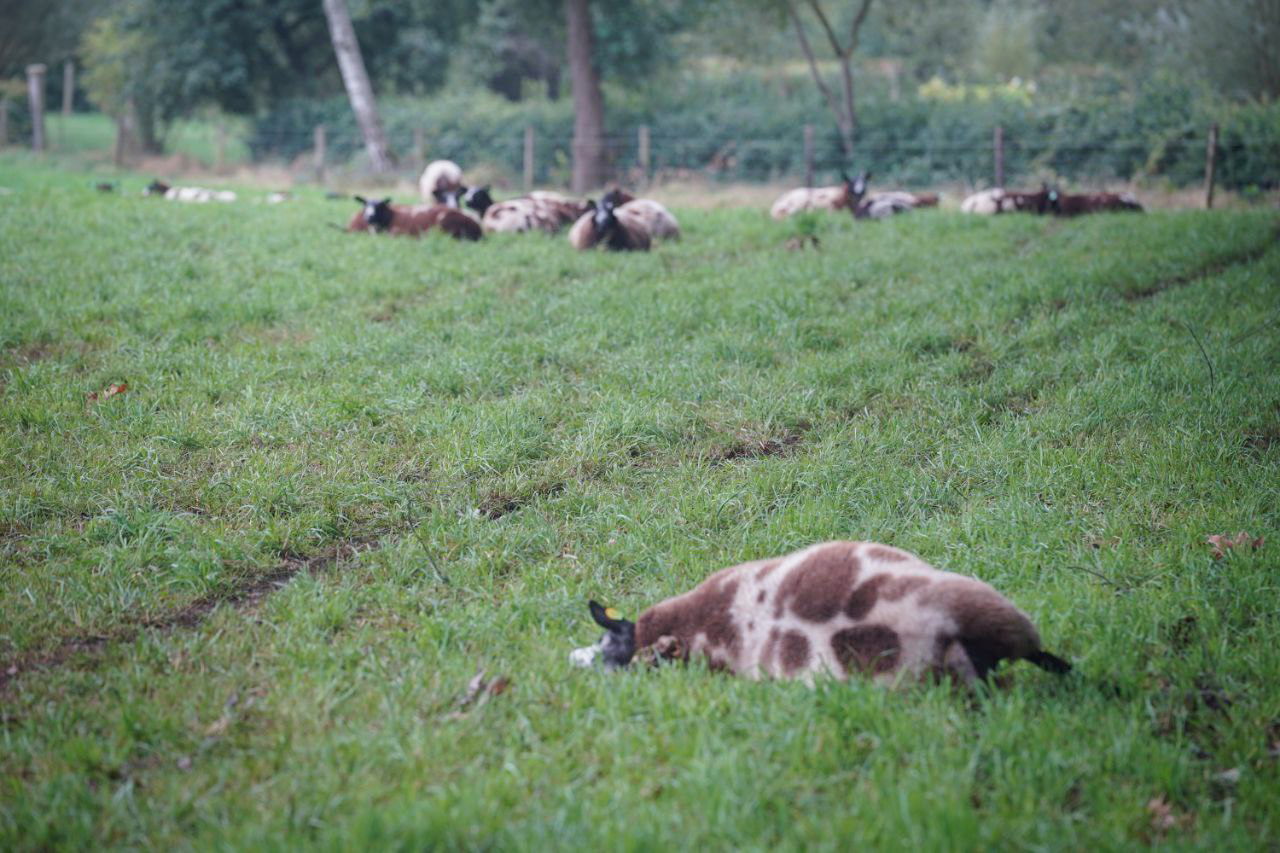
point(1214, 268)
point(245, 595)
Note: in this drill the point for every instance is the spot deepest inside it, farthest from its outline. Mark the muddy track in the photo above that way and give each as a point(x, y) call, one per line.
point(1217, 267)
point(245, 595)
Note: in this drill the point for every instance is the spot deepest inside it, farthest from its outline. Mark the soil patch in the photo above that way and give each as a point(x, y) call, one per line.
point(246, 594)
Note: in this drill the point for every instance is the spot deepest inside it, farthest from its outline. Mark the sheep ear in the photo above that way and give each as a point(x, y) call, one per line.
point(386, 200)
point(361, 199)
point(606, 617)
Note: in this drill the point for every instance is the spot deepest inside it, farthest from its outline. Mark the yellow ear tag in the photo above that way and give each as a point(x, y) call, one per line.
point(611, 613)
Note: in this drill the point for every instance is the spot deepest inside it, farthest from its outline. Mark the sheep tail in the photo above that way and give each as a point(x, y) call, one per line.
point(1051, 662)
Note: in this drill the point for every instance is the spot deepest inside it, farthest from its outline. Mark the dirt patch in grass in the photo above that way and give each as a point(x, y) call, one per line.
point(1264, 439)
point(246, 594)
point(1215, 268)
point(495, 505)
point(30, 353)
point(754, 447)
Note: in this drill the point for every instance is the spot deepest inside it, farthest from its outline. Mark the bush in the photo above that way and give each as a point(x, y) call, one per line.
point(744, 128)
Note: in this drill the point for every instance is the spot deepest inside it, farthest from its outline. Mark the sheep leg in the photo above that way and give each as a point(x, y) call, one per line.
point(957, 664)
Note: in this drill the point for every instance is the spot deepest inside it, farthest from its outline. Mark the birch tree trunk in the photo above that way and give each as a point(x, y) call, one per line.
point(588, 102)
point(356, 81)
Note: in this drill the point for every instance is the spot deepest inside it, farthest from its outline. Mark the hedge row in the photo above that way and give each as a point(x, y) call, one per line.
point(743, 129)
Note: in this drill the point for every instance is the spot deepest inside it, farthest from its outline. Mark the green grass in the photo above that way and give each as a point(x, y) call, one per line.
point(83, 134)
point(456, 445)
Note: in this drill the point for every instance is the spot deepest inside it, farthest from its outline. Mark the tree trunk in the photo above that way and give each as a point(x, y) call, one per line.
point(845, 114)
point(588, 102)
point(356, 81)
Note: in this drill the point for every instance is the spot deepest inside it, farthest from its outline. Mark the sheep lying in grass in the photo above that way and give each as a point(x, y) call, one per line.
point(838, 608)
point(382, 217)
point(614, 228)
point(437, 177)
point(655, 217)
point(197, 195)
point(843, 196)
point(996, 201)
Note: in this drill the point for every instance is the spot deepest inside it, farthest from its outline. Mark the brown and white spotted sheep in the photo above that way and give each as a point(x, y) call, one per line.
point(655, 217)
point(838, 608)
point(843, 196)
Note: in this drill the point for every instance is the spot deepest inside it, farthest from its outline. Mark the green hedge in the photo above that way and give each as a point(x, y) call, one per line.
point(1083, 134)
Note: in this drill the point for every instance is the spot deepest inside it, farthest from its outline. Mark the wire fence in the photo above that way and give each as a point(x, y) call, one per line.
point(646, 154)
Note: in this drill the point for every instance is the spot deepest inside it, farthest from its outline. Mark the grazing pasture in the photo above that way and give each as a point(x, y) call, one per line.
point(243, 599)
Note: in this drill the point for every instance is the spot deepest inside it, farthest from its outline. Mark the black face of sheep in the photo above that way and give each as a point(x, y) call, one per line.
point(449, 196)
point(618, 645)
point(857, 186)
point(1052, 198)
point(156, 187)
point(603, 218)
point(377, 214)
point(478, 199)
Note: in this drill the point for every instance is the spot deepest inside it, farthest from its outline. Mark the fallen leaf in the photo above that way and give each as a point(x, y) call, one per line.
point(478, 692)
point(1228, 777)
point(1161, 812)
point(1222, 543)
point(1163, 817)
point(110, 391)
point(474, 687)
point(218, 727)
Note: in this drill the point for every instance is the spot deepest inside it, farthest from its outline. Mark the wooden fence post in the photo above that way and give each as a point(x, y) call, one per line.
point(1210, 158)
point(528, 157)
point(998, 144)
point(642, 151)
point(35, 98)
point(319, 153)
point(4, 120)
point(419, 149)
point(68, 86)
point(808, 155)
point(220, 148)
point(124, 126)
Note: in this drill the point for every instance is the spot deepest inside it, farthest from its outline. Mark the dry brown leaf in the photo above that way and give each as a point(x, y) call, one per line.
point(110, 391)
point(1163, 817)
point(218, 727)
point(1223, 542)
point(478, 691)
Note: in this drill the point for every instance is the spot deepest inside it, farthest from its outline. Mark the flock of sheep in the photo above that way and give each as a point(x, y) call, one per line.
point(837, 608)
point(621, 222)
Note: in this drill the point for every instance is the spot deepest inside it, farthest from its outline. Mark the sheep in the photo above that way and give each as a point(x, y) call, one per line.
point(439, 175)
point(616, 228)
point(197, 195)
point(882, 206)
point(542, 211)
point(657, 220)
point(844, 196)
point(904, 198)
point(836, 608)
point(1077, 205)
point(996, 201)
point(383, 217)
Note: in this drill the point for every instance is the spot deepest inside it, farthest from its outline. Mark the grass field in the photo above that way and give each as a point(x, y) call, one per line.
point(240, 601)
point(93, 135)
